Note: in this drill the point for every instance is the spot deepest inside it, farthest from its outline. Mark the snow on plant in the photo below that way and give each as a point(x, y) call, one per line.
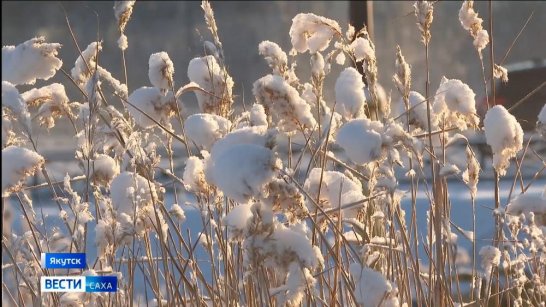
point(205, 129)
point(53, 103)
point(417, 110)
point(31, 60)
point(349, 90)
point(12, 100)
point(161, 70)
point(283, 104)
point(312, 32)
point(361, 140)
point(454, 105)
point(148, 106)
point(335, 190)
point(505, 136)
point(276, 58)
point(17, 164)
point(371, 288)
point(473, 24)
point(242, 170)
point(424, 12)
point(217, 85)
point(122, 12)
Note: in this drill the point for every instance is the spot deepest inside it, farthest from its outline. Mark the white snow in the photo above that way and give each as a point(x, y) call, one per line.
point(53, 100)
point(151, 101)
point(123, 43)
point(80, 72)
point(161, 70)
point(362, 49)
point(257, 115)
point(312, 32)
point(31, 60)
point(288, 111)
point(178, 213)
point(526, 203)
point(104, 169)
point(242, 171)
point(454, 104)
point(257, 135)
point(333, 185)
point(372, 288)
point(15, 102)
point(194, 175)
point(17, 164)
point(490, 258)
point(418, 112)
point(206, 72)
point(361, 140)
point(349, 93)
point(129, 190)
point(505, 136)
point(275, 57)
point(123, 11)
point(237, 220)
point(205, 129)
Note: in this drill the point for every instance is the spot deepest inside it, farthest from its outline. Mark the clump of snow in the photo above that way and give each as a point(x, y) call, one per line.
point(275, 57)
point(118, 87)
point(333, 185)
point(194, 175)
point(527, 203)
point(312, 32)
point(207, 73)
point(361, 140)
point(505, 136)
point(123, 43)
point(490, 258)
point(257, 115)
point(205, 129)
point(53, 100)
point(178, 213)
point(541, 123)
point(80, 72)
point(317, 65)
point(105, 168)
point(151, 101)
point(500, 72)
point(123, 11)
point(454, 104)
point(362, 49)
point(161, 70)
point(17, 164)
point(242, 171)
point(473, 24)
point(372, 288)
point(449, 170)
point(282, 102)
point(129, 191)
point(424, 12)
point(349, 92)
point(15, 102)
point(257, 135)
point(417, 112)
point(31, 60)
point(237, 220)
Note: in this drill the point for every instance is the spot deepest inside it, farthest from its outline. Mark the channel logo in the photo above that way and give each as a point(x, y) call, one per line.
point(79, 283)
point(63, 260)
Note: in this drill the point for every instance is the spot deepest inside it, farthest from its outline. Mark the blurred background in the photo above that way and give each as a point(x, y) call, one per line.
point(179, 29)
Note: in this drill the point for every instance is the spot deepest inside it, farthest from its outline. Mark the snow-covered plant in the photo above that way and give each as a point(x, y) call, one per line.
point(31, 60)
point(505, 136)
point(473, 24)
